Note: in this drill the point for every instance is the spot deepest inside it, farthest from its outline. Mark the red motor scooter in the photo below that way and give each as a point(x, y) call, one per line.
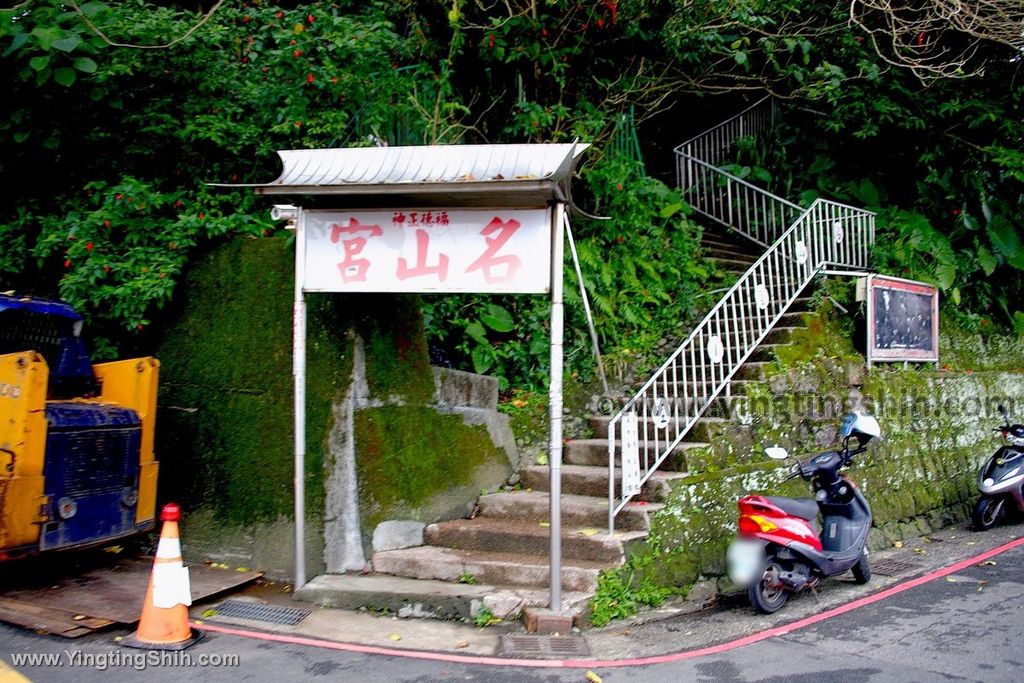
point(779, 550)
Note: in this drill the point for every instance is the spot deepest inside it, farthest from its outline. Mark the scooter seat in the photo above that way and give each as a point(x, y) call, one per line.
point(804, 508)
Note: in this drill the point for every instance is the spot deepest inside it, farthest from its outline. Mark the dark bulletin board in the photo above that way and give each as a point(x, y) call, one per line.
point(903, 320)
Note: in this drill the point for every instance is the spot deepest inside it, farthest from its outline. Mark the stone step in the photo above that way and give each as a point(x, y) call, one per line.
point(582, 480)
point(717, 252)
point(583, 511)
point(774, 294)
point(793, 317)
point(725, 243)
point(731, 264)
point(720, 408)
point(776, 335)
point(723, 407)
point(530, 538)
point(765, 352)
point(722, 234)
point(790, 321)
point(487, 568)
point(595, 451)
point(424, 598)
point(688, 388)
point(754, 370)
point(726, 247)
point(801, 305)
point(701, 432)
point(399, 595)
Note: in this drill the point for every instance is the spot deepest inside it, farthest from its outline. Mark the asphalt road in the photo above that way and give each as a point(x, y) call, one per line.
point(968, 626)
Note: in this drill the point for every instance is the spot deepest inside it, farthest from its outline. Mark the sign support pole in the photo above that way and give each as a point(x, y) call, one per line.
point(555, 404)
point(299, 376)
point(870, 318)
point(586, 307)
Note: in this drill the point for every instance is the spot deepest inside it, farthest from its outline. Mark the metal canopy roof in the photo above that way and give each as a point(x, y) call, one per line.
point(420, 172)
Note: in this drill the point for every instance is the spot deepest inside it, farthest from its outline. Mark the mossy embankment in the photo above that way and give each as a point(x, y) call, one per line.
point(921, 476)
point(225, 403)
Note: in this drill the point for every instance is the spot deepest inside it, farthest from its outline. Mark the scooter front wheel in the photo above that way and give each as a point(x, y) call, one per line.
point(862, 570)
point(987, 512)
point(768, 595)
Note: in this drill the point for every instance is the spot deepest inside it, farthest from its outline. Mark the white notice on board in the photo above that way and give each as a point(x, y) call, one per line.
point(630, 455)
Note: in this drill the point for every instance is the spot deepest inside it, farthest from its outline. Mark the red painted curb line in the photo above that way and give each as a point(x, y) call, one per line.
point(614, 663)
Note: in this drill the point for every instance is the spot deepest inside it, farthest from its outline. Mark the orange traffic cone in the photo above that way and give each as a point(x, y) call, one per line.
point(164, 622)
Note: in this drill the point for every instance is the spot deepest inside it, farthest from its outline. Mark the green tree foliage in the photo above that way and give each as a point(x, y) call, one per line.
point(939, 163)
point(108, 149)
point(117, 114)
point(892, 108)
point(642, 272)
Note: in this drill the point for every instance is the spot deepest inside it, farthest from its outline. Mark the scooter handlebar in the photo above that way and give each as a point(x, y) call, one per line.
point(806, 470)
point(797, 471)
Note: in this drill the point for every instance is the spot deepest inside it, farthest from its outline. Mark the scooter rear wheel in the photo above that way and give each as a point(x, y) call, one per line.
point(862, 570)
point(768, 595)
point(987, 512)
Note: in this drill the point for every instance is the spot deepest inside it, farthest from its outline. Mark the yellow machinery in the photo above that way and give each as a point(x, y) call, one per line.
point(76, 439)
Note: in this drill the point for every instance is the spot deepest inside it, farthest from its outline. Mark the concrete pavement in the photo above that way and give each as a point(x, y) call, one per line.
point(677, 626)
point(962, 626)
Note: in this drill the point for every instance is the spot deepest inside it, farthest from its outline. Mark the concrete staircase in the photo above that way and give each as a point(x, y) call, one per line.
point(498, 558)
point(767, 250)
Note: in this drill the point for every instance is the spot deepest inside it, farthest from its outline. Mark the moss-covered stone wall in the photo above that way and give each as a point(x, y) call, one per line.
point(416, 464)
point(225, 414)
point(226, 374)
point(224, 425)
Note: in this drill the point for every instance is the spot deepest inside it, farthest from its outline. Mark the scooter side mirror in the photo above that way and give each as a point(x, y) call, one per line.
point(1004, 413)
point(776, 453)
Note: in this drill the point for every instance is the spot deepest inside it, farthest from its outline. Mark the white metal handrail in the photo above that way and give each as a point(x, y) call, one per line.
point(828, 234)
point(756, 213)
point(717, 144)
point(731, 201)
point(800, 244)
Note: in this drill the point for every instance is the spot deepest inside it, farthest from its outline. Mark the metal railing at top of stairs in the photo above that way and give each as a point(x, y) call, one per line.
point(717, 144)
point(756, 213)
point(828, 235)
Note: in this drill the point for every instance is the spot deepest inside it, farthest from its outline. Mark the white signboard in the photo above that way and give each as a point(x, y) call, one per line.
point(428, 250)
point(630, 455)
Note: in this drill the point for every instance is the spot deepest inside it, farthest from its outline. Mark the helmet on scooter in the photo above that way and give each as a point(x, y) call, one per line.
point(861, 426)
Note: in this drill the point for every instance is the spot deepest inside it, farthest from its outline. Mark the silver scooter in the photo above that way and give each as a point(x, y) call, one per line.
point(1001, 479)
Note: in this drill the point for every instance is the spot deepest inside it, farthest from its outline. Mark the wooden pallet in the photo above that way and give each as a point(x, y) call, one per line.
point(48, 620)
point(86, 599)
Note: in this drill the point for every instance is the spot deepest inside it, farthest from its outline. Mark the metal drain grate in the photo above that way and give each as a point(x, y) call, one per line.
point(893, 567)
point(258, 611)
point(544, 646)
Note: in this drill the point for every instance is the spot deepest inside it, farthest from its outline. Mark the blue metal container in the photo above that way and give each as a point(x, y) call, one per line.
point(91, 473)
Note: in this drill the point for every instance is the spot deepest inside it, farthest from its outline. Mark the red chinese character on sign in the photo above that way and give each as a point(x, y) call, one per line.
point(353, 269)
point(421, 268)
point(398, 217)
point(441, 218)
point(489, 260)
point(412, 218)
point(427, 218)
